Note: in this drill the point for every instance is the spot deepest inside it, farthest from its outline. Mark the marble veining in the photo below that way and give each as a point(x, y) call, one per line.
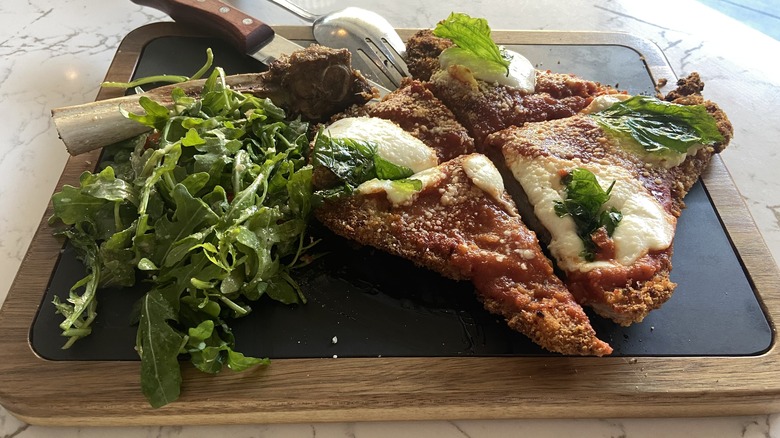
point(55, 53)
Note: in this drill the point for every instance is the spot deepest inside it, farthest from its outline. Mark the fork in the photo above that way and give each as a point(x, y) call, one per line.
point(377, 49)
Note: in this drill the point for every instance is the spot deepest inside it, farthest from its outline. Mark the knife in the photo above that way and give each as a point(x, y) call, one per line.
point(241, 30)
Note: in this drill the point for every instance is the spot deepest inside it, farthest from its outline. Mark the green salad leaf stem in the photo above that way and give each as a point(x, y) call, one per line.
point(164, 79)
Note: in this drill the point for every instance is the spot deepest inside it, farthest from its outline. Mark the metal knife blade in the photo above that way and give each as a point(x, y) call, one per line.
point(243, 31)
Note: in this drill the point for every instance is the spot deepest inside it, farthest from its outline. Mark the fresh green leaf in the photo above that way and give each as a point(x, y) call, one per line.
point(583, 203)
point(354, 162)
point(81, 309)
point(94, 206)
point(192, 138)
point(610, 220)
point(472, 38)
point(202, 332)
point(72, 206)
point(159, 349)
point(388, 170)
point(238, 362)
point(299, 187)
point(195, 182)
point(117, 257)
point(282, 291)
point(147, 265)
point(191, 214)
point(209, 359)
point(156, 115)
point(660, 126)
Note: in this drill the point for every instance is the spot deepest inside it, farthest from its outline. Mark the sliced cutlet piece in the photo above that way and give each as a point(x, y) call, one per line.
point(486, 107)
point(463, 225)
point(627, 275)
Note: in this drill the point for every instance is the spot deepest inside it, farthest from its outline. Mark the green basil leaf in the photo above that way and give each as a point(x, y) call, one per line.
point(584, 204)
point(351, 161)
point(610, 219)
point(473, 36)
point(354, 162)
point(660, 126)
point(388, 170)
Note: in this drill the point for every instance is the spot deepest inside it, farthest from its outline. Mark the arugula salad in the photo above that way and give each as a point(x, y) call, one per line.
point(210, 211)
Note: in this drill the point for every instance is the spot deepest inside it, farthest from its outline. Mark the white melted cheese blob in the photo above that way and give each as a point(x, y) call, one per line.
point(477, 167)
point(600, 103)
point(645, 226)
point(393, 143)
point(483, 174)
point(522, 74)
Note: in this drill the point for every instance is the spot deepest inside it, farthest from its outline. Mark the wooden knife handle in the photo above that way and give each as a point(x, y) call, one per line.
point(222, 20)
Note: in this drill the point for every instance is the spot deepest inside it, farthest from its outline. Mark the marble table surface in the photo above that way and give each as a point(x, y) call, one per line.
point(55, 52)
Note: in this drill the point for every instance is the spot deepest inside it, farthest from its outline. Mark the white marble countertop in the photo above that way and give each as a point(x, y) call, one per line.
point(55, 52)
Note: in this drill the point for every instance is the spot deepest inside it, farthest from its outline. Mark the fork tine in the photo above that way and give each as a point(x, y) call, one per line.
point(378, 66)
point(391, 53)
point(391, 62)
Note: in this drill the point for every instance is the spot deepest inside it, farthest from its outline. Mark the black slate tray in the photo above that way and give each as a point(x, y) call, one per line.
point(373, 304)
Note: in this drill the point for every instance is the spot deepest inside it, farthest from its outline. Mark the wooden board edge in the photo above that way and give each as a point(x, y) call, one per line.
point(762, 269)
point(306, 390)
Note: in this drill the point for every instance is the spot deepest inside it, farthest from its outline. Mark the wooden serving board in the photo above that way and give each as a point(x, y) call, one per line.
point(61, 392)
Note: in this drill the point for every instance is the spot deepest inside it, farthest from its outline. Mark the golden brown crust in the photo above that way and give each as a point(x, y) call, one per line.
point(627, 295)
point(632, 303)
point(422, 53)
point(549, 323)
point(456, 229)
point(415, 109)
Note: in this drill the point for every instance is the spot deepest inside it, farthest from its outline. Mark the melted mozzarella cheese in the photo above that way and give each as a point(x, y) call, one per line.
point(393, 143)
point(522, 74)
point(645, 226)
point(600, 103)
point(666, 160)
point(484, 175)
point(477, 167)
